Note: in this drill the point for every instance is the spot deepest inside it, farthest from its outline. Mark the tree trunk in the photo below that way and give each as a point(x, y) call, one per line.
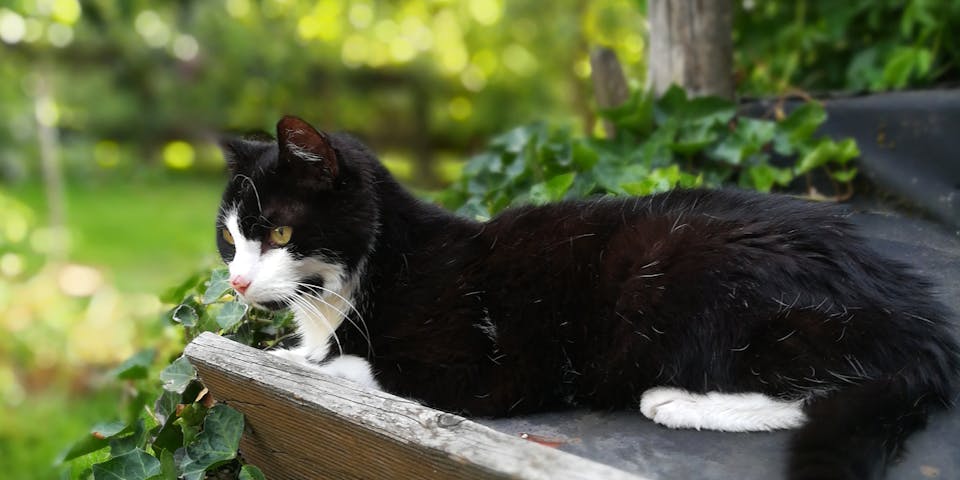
point(691, 45)
point(609, 83)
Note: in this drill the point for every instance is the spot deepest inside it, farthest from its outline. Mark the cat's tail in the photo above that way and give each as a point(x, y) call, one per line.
point(857, 431)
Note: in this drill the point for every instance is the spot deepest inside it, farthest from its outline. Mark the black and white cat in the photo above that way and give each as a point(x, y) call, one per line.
point(719, 310)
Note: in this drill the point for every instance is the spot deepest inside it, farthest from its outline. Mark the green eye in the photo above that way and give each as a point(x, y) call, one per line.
point(227, 236)
point(280, 236)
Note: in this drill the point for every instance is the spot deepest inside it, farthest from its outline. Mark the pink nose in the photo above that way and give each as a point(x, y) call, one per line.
point(239, 283)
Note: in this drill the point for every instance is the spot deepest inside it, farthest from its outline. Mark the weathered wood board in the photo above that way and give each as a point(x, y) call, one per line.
point(301, 424)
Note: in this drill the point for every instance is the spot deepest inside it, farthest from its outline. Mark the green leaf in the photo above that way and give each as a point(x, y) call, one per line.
point(135, 367)
point(847, 150)
point(514, 141)
point(231, 314)
point(709, 111)
point(584, 157)
point(903, 63)
point(107, 430)
point(178, 375)
point(217, 443)
point(799, 126)
point(134, 465)
point(219, 284)
point(185, 315)
point(249, 472)
point(844, 175)
point(191, 418)
point(98, 438)
point(168, 466)
point(828, 151)
point(553, 189)
point(166, 405)
point(670, 104)
point(128, 443)
point(763, 177)
point(694, 139)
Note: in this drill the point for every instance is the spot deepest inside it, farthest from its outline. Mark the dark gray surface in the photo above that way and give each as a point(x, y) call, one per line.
point(630, 442)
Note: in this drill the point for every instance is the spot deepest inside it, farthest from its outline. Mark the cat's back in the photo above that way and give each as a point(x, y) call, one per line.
point(707, 212)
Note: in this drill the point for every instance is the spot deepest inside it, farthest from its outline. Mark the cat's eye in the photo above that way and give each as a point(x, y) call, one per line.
point(280, 236)
point(227, 236)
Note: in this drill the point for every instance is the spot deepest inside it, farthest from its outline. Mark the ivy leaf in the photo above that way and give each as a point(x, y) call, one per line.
point(249, 472)
point(128, 443)
point(219, 284)
point(800, 126)
point(168, 466)
point(133, 465)
point(185, 315)
point(514, 141)
point(670, 104)
point(584, 157)
point(694, 139)
point(191, 417)
point(216, 444)
point(231, 314)
point(708, 111)
point(844, 176)
point(98, 438)
point(178, 375)
point(553, 189)
point(763, 177)
point(107, 430)
point(828, 151)
point(135, 367)
point(166, 405)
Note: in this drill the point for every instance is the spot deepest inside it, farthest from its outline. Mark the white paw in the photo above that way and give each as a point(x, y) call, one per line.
point(672, 407)
point(653, 398)
point(729, 412)
point(353, 368)
point(295, 355)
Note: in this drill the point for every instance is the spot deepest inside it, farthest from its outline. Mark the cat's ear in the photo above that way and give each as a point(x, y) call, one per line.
point(300, 142)
point(241, 153)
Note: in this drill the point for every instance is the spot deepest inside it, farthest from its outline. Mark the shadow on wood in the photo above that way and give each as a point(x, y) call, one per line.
point(301, 424)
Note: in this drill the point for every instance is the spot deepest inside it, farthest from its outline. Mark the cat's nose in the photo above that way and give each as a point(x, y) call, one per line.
point(239, 283)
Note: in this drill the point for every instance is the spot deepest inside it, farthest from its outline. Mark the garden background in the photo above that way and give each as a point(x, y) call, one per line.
point(110, 175)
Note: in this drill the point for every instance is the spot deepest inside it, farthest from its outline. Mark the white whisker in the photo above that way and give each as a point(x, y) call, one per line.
point(365, 332)
point(303, 304)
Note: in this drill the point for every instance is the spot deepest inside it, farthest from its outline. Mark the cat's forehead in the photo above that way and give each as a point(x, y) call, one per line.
point(256, 201)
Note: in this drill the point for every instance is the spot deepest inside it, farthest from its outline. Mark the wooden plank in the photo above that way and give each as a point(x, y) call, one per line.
point(302, 424)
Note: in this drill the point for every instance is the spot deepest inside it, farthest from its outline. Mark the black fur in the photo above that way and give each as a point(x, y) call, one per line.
point(592, 302)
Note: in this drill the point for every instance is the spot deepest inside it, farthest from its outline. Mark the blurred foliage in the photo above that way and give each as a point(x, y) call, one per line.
point(138, 81)
point(661, 144)
point(174, 429)
point(61, 327)
point(135, 83)
point(856, 45)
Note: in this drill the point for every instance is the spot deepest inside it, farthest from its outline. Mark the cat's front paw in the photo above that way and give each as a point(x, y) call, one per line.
point(353, 368)
point(295, 355)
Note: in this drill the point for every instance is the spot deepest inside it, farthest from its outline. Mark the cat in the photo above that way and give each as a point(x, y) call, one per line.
point(705, 309)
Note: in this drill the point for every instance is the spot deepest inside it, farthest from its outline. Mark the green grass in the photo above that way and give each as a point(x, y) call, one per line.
point(147, 235)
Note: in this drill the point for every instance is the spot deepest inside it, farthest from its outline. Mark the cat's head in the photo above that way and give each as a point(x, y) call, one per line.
point(299, 214)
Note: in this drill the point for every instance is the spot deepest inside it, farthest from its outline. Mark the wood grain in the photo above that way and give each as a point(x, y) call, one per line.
point(301, 424)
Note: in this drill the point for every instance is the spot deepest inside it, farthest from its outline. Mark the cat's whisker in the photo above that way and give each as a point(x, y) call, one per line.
point(363, 331)
point(302, 303)
point(366, 330)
